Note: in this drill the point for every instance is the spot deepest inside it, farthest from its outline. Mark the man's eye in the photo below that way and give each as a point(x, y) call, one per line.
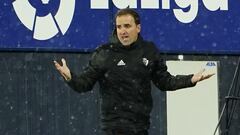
point(127, 26)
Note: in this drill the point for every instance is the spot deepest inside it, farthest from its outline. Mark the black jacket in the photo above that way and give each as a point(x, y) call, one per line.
point(125, 75)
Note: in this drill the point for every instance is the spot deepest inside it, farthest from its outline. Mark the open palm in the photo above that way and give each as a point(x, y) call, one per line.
point(63, 70)
point(200, 76)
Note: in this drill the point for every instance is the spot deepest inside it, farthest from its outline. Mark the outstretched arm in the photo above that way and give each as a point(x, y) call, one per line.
point(82, 82)
point(165, 81)
point(85, 80)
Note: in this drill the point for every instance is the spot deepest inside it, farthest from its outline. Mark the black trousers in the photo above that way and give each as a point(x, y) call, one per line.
point(124, 132)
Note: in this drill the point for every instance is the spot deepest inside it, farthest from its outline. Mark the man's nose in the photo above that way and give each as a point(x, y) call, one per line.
point(123, 31)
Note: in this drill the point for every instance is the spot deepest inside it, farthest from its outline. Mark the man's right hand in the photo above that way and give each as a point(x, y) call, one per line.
point(63, 70)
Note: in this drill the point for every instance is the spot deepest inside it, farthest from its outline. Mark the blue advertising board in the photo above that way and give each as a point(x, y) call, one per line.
point(178, 26)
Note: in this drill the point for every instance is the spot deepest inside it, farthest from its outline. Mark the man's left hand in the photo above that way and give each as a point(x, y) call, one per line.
point(200, 76)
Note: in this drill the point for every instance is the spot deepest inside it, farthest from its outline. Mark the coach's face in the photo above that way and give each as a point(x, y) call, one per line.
point(127, 29)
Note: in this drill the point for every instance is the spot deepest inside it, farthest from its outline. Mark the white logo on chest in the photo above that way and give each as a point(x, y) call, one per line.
point(145, 61)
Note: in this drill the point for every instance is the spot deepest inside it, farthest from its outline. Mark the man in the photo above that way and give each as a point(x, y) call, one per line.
point(124, 69)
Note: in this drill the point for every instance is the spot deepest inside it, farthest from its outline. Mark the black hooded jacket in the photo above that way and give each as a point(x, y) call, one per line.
point(124, 75)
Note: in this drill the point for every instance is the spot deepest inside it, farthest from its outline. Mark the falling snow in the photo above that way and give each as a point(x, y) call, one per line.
point(35, 100)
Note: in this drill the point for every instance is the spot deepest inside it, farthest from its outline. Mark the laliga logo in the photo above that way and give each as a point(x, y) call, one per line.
point(186, 13)
point(45, 27)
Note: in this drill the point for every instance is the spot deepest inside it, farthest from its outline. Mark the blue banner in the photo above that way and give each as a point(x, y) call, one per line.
point(178, 26)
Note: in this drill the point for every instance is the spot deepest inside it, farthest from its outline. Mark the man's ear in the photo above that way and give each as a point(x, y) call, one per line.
point(139, 27)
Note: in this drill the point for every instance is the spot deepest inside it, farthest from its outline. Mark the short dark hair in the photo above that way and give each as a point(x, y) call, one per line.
point(128, 11)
